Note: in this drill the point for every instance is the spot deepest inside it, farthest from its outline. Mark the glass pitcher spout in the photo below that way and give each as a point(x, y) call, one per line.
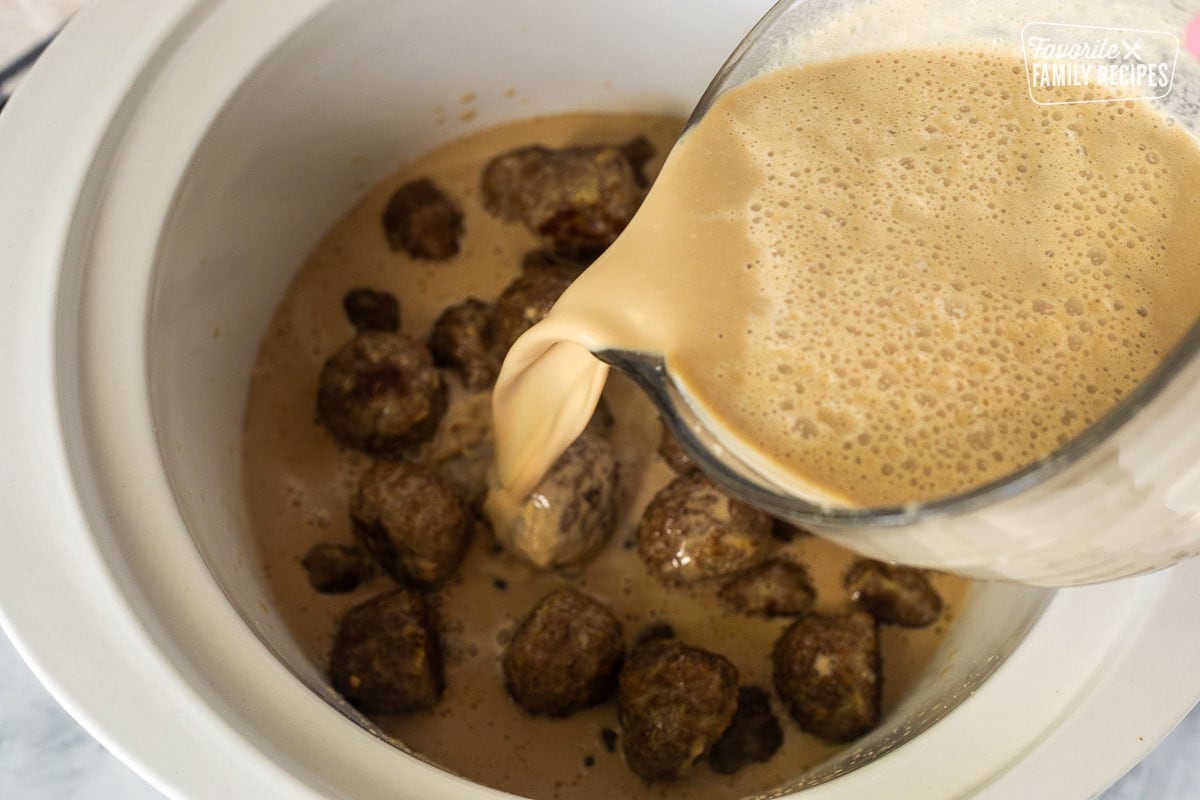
point(705, 449)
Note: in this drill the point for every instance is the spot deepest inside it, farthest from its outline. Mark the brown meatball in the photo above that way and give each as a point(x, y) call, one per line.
point(411, 521)
point(827, 673)
point(692, 530)
point(673, 702)
point(336, 568)
point(753, 736)
point(572, 512)
point(893, 594)
point(386, 658)
point(673, 453)
point(772, 589)
point(369, 310)
point(524, 303)
point(565, 655)
point(421, 220)
point(576, 199)
point(462, 340)
point(381, 393)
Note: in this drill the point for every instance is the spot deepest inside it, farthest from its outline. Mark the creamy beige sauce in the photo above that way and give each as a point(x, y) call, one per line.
point(885, 279)
point(298, 484)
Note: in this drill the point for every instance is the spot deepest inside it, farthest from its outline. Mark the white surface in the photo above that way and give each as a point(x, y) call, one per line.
point(44, 754)
point(23, 22)
point(125, 686)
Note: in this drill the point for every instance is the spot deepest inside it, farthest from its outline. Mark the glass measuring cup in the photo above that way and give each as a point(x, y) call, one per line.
point(1120, 498)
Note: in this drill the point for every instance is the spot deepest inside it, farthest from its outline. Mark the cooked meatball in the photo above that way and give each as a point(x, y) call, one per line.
point(576, 199)
point(369, 310)
point(381, 393)
point(564, 656)
point(572, 512)
point(753, 736)
point(461, 339)
point(525, 301)
point(411, 521)
point(673, 453)
point(692, 530)
point(772, 589)
point(673, 702)
point(827, 673)
point(386, 658)
point(422, 221)
point(336, 568)
point(893, 594)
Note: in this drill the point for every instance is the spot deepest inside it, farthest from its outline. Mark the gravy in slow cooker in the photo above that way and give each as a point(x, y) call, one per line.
point(300, 483)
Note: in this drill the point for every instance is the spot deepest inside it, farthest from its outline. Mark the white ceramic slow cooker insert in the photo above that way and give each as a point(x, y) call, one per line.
point(167, 167)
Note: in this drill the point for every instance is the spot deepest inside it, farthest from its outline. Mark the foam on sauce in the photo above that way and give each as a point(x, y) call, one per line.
point(888, 278)
point(298, 484)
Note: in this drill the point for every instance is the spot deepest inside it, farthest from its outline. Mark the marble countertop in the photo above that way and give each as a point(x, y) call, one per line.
point(45, 755)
